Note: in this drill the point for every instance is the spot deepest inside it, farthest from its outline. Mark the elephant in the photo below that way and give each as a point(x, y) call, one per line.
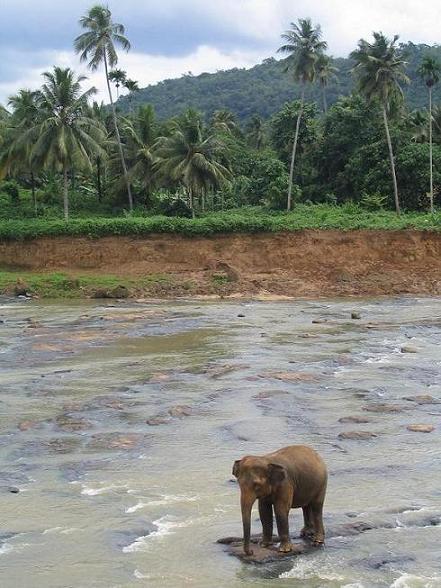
point(291, 477)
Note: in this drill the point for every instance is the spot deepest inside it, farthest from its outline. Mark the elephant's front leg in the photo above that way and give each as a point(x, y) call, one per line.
point(266, 517)
point(281, 508)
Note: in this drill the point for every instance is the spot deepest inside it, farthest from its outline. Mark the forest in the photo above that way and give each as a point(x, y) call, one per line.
point(306, 132)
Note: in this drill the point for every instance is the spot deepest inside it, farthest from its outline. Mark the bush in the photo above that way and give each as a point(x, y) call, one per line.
point(11, 188)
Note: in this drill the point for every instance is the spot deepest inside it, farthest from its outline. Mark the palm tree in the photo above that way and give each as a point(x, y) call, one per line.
point(194, 156)
point(133, 87)
point(326, 72)
point(256, 132)
point(225, 122)
point(118, 77)
point(97, 46)
point(66, 136)
point(417, 122)
point(141, 133)
point(429, 72)
point(379, 69)
point(304, 47)
point(25, 114)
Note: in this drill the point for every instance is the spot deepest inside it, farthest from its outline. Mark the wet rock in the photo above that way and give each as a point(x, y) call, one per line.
point(27, 424)
point(422, 399)
point(21, 289)
point(380, 562)
point(120, 292)
point(290, 376)
point(125, 441)
point(409, 349)
point(350, 529)
point(72, 424)
point(13, 490)
point(158, 420)
point(63, 444)
point(354, 419)
point(319, 321)
point(420, 428)
point(179, 411)
point(121, 539)
point(357, 435)
point(32, 323)
point(268, 394)
point(383, 408)
point(240, 315)
point(355, 316)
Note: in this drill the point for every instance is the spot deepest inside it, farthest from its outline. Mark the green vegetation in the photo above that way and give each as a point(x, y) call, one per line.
point(244, 220)
point(60, 285)
point(131, 172)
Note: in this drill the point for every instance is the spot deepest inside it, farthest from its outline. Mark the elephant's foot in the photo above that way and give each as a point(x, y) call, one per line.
point(285, 547)
point(248, 551)
point(307, 533)
point(318, 541)
point(266, 542)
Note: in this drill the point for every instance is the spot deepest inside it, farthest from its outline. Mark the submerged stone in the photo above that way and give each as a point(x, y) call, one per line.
point(383, 408)
point(354, 419)
point(419, 428)
point(181, 410)
point(357, 435)
point(422, 399)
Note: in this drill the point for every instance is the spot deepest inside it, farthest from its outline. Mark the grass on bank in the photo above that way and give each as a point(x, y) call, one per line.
point(245, 220)
point(60, 285)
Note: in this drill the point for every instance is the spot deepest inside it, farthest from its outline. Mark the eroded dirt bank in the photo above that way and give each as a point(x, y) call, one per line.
point(306, 263)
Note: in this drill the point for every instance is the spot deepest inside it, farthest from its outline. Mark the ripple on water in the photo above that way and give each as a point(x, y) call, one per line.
point(166, 525)
point(413, 581)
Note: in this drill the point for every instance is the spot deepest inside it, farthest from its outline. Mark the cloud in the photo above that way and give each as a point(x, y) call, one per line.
point(171, 37)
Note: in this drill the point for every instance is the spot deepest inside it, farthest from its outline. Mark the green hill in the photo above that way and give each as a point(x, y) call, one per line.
point(262, 90)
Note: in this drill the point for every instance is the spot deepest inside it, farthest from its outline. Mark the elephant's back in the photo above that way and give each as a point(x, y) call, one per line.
point(305, 465)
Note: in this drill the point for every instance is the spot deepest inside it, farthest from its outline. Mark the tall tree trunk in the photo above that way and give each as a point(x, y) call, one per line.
point(118, 138)
point(34, 196)
point(294, 149)
point(98, 181)
point(65, 193)
point(325, 99)
point(190, 199)
point(392, 161)
point(431, 149)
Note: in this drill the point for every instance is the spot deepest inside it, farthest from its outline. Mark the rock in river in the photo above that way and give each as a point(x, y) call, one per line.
point(422, 399)
point(419, 428)
point(180, 411)
point(354, 419)
point(358, 435)
point(409, 349)
point(383, 408)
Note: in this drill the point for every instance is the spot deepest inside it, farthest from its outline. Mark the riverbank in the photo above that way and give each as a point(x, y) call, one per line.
point(308, 263)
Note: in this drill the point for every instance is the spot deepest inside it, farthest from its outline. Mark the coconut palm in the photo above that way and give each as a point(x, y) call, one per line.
point(133, 87)
point(141, 134)
point(65, 137)
point(97, 46)
point(118, 77)
point(429, 71)
point(418, 126)
point(379, 70)
point(303, 47)
point(326, 73)
point(25, 114)
point(256, 132)
point(194, 156)
point(225, 122)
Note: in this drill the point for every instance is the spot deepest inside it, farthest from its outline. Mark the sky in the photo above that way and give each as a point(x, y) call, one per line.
point(173, 37)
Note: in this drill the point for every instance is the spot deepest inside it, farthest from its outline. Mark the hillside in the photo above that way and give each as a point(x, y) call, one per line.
point(262, 90)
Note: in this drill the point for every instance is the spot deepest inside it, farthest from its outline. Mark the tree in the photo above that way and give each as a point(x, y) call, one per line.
point(429, 72)
point(118, 77)
point(379, 70)
point(225, 122)
point(304, 47)
point(417, 122)
point(65, 137)
point(97, 46)
point(255, 132)
point(194, 156)
point(25, 114)
point(133, 88)
point(141, 134)
point(326, 72)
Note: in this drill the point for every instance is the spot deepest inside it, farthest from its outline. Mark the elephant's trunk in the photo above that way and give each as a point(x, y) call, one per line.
point(246, 503)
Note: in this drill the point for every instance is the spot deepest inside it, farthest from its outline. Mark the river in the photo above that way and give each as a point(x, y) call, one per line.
point(120, 424)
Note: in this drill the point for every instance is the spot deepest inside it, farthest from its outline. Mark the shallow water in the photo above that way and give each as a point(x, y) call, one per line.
point(107, 500)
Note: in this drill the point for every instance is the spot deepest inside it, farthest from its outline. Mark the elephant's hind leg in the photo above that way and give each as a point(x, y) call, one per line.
point(317, 517)
point(266, 517)
point(308, 526)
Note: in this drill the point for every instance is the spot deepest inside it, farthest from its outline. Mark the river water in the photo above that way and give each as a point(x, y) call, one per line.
point(120, 424)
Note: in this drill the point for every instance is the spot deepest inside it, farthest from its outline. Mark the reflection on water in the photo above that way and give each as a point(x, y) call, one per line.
point(119, 425)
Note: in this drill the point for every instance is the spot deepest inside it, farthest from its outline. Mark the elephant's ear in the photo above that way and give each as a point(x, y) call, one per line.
point(277, 473)
point(236, 467)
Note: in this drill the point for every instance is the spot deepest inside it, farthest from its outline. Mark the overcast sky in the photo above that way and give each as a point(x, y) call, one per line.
point(172, 37)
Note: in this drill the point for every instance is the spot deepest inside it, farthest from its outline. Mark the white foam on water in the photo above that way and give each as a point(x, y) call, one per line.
point(6, 548)
point(97, 491)
point(140, 576)
point(311, 569)
point(61, 530)
point(166, 525)
point(353, 585)
point(166, 499)
point(413, 581)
